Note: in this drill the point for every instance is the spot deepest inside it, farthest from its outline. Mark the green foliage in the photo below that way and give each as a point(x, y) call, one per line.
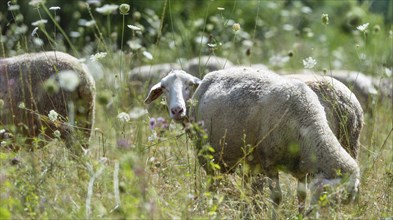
point(159, 175)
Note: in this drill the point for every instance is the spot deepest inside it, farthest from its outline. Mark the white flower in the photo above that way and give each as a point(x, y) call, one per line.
point(13, 7)
point(90, 23)
point(54, 8)
point(98, 56)
point(2, 131)
point(388, 72)
point(137, 112)
point(107, 9)
point(22, 105)
point(147, 55)
point(38, 41)
point(309, 63)
point(53, 115)
point(39, 22)
point(57, 133)
point(36, 3)
point(123, 117)
point(363, 27)
point(134, 28)
point(236, 27)
point(75, 34)
point(68, 80)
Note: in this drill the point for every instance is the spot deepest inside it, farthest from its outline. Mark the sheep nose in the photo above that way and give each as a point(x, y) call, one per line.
point(177, 111)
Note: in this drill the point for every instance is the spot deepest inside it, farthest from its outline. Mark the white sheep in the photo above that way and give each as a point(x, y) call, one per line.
point(33, 84)
point(151, 73)
point(199, 66)
point(280, 118)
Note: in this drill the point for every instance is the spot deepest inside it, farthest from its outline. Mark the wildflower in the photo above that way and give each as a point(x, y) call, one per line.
point(137, 112)
point(388, 73)
point(124, 8)
point(22, 105)
point(36, 3)
point(152, 123)
point(68, 80)
point(236, 27)
point(162, 122)
point(107, 9)
point(325, 18)
point(90, 23)
point(57, 134)
point(123, 117)
point(53, 115)
point(363, 27)
point(152, 137)
point(75, 34)
point(39, 22)
point(98, 56)
point(13, 7)
point(148, 55)
point(309, 63)
point(134, 28)
point(38, 41)
point(54, 8)
point(137, 16)
point(123, 144)
point(34, 32)
point(306, 10)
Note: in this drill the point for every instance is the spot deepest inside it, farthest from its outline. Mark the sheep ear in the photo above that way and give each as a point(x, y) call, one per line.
point(196, 81)
point(155, 92)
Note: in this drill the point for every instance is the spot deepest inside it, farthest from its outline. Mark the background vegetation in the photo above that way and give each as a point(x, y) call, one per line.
point(137, 170)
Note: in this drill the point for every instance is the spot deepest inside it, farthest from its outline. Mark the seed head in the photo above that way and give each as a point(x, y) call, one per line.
point(236, 27)
point(325, 19)
point(124, 9)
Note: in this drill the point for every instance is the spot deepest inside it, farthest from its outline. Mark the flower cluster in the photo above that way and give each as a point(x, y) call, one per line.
point(123, 117)
point(68, 80)
point(159, 123)
point(53, 115)
point(309, 63)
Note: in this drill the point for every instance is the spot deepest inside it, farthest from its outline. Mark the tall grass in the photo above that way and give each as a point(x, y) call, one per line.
point(133, 171)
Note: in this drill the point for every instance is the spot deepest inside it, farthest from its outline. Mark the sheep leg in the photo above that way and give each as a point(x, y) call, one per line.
point(301, 194)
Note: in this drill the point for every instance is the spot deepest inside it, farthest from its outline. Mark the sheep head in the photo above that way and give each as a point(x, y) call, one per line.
point(177, 87)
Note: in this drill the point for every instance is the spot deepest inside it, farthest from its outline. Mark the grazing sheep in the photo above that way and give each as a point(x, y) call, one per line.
point(280, 119)
point(199, 66)
point(151, 73)
point(43, 82)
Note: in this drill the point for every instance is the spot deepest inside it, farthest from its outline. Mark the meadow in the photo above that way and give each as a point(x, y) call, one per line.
point(143, 165)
